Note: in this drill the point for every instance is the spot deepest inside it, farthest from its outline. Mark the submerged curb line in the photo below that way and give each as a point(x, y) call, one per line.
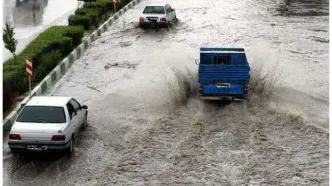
point(64, 65)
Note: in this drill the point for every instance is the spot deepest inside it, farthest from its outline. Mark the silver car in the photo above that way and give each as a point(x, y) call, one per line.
point(48, 123)
point(157, 16)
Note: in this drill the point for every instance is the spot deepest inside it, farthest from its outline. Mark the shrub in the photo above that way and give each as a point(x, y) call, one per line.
point(102, 6)
point(48, 62)
point(11, 67)
point(76, 33)
point(82, 20)
point(106, 3)
point(95, 14)
point(51, 60)
point(84, 11)
point(17, 79)
point(65, 44)
point(62, 38)
point(122, 4)
point(54, 38)
point(7, 96)
point(94, 18)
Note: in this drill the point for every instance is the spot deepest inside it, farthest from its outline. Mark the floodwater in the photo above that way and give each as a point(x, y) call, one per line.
point(30, 17)
point(147, 127)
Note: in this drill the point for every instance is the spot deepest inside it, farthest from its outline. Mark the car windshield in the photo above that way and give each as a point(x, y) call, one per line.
point(42, 114)
point(154, 10)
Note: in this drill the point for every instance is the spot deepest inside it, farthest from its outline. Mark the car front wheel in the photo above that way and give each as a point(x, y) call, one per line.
point(85, 124)
point(71, 147)
point(175, 20)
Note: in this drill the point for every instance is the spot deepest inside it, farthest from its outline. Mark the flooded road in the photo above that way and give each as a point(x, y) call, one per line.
point(30, 17)
point(147, 127)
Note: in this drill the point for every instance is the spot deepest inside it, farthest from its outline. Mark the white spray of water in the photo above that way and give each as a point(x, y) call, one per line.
point(264, 65)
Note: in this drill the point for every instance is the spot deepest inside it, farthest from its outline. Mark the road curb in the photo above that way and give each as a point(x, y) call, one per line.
point(64, 65)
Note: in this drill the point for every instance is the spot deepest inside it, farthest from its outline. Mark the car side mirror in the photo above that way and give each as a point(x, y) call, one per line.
point(84, 107)
point(173, 9)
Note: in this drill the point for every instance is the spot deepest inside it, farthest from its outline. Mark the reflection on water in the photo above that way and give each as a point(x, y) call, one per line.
point(303, 7)
point(25, 12)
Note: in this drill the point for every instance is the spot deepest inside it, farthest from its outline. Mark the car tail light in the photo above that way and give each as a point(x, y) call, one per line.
point(200, 89)
point(141, 19)
point(15, 136)
point(58, 137)
point(162, 19)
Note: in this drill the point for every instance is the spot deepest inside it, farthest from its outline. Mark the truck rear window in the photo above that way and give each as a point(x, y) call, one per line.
point(154, 10)
point(42, 114)
point(222, 59)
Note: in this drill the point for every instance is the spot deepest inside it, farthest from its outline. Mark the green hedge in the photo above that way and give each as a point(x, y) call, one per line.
point(48, 62)
point(107, 3)
point(16, 78)
point(7, 96)
point(82, 20)
point(95, 5)
point(62, 38)
point(122, 4)
point(105, 6)
point(95, 10)
point(83, 11)
point(95, 15)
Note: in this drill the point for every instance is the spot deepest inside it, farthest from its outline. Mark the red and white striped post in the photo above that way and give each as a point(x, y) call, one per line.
point(29, 69)
point(114, 3)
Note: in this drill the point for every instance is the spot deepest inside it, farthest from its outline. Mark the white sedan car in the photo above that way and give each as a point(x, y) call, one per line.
point(157, 16)
point(48, 123)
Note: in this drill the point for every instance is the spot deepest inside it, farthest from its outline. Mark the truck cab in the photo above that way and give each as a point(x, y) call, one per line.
point(223, 73)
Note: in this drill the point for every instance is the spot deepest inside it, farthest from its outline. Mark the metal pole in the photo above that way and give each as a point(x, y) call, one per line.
point(30, 85)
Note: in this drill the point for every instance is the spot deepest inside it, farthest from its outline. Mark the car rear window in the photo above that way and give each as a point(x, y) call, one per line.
point(42, 114)
point(154, 10)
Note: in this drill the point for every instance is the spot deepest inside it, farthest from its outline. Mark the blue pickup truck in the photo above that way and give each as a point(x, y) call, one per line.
point(223, 73)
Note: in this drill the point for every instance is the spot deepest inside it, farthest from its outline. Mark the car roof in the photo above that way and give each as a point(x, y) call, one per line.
point(48, 101)
point(160, 4)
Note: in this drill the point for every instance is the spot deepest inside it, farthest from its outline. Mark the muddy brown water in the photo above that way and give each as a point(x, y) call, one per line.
point(147, 126)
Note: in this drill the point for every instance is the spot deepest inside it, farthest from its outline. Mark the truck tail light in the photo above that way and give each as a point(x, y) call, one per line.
point(162, 19)
point(246, 89)
point(141, 19)
point(200, 89)
point(15, 136)
point(58, 137)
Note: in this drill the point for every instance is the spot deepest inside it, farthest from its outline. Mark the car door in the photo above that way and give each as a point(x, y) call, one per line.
point(79, 111)
point(172, 13)
point(74, 119)
point(168, 12)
